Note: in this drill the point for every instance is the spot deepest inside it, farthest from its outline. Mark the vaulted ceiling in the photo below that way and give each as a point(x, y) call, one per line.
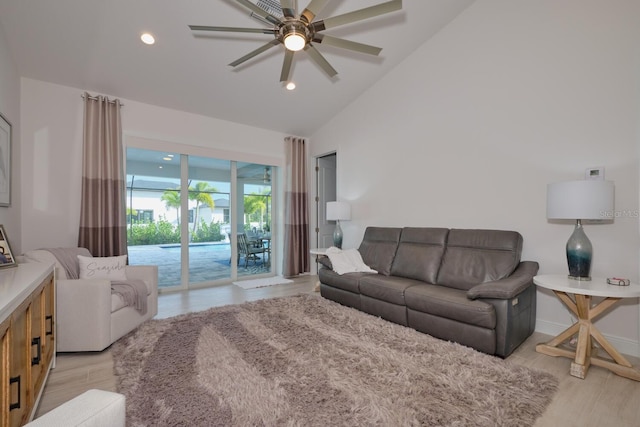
point(95, 45)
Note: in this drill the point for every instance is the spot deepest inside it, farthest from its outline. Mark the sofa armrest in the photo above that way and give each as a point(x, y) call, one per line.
point(83, 312)
point(92, 408)
point(147, 273)
point(325, 262)
point(508, 287)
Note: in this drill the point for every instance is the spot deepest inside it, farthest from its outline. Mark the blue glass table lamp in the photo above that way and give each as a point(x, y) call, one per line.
point(580, 200)
point(338, 211)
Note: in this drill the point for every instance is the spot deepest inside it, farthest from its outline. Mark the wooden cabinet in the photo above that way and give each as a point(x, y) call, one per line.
point(27, 333)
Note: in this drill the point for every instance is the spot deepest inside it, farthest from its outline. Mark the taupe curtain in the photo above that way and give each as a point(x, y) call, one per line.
point(102, 212)
point(296, 222)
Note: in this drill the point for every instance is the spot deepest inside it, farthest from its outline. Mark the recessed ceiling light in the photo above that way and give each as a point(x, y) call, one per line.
point(147, 38)
point(168, 159)
point(291, 86)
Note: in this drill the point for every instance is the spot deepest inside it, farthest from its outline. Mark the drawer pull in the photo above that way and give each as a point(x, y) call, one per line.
point(50, 319)
point(37, 343)
point(16, 405)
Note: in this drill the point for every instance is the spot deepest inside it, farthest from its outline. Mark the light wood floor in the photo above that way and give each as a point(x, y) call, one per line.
point(601, 399)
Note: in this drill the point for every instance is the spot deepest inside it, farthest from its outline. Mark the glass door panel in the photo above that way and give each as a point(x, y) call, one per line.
point(153, 212)
point(209, 219)
point(254, 183)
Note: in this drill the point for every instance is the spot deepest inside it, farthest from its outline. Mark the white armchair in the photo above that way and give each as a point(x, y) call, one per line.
point(89, 316)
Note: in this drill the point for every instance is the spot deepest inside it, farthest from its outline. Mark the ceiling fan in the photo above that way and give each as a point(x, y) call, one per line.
point(300, 32)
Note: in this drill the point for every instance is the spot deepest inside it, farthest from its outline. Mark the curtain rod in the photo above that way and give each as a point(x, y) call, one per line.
point(95, 98)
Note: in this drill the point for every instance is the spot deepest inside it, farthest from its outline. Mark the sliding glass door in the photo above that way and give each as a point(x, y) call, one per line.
point(201, 220)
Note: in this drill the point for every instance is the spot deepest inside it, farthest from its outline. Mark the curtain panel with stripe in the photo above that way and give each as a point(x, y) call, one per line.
point(102, 213)
point(296, 223)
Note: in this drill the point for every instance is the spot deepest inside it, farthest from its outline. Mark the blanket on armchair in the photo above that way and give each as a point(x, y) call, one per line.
point(68, 259)
point(132, 292)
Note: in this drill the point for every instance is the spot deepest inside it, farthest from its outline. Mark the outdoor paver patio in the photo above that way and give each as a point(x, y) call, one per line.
point(207, 262)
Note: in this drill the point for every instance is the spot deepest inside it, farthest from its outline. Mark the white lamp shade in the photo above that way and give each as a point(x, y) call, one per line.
point(338, 211)
point(586, 199)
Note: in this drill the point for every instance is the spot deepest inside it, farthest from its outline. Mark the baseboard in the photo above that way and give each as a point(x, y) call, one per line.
point(623, 345)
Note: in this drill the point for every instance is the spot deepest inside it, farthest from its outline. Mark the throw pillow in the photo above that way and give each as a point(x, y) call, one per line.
point(110, 268)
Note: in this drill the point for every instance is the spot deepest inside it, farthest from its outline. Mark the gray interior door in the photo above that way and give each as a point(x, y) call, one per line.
point(326, 192)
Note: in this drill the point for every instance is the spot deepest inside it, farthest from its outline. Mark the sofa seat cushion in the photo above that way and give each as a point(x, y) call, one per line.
point(386, 288)
point(451, 304)
point(348, 282)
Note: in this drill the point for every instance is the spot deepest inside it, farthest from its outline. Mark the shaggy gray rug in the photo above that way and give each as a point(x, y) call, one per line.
point(307, 361)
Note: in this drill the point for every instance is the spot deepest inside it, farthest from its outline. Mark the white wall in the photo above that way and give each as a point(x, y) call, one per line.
point(52, 147)
point(10, 110)
point(469, 130)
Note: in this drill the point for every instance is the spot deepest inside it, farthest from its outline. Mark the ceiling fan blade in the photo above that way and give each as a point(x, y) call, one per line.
point(259, 11)
point(357, 15)
point(258, 51)
point(233, 29)
point(320, 61)
point(288, 9)
point(346, 44)
point(286, 65)
point(314, 7)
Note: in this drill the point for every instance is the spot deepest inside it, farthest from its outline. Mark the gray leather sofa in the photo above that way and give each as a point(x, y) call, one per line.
point(466, 286)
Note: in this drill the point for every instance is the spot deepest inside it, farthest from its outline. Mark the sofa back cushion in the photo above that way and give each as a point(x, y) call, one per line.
point(378, 248)
point(477, 256)
point(419, 253)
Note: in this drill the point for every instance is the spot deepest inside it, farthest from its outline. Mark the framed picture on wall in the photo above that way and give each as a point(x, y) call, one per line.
point(5, 162)
point(6, 256)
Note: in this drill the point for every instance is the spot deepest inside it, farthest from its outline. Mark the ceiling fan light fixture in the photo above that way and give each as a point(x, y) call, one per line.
point(297, 31)
point(294, 41)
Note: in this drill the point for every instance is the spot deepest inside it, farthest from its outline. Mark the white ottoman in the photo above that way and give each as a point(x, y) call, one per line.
point(93, 408)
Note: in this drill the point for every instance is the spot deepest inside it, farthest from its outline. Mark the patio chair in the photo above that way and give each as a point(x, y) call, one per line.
point(247, 250)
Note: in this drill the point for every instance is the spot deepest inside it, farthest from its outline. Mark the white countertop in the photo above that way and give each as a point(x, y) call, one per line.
point(17, 283)
point(597, 286)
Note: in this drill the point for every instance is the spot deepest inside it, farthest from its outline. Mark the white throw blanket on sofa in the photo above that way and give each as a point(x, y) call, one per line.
point(347, 261)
